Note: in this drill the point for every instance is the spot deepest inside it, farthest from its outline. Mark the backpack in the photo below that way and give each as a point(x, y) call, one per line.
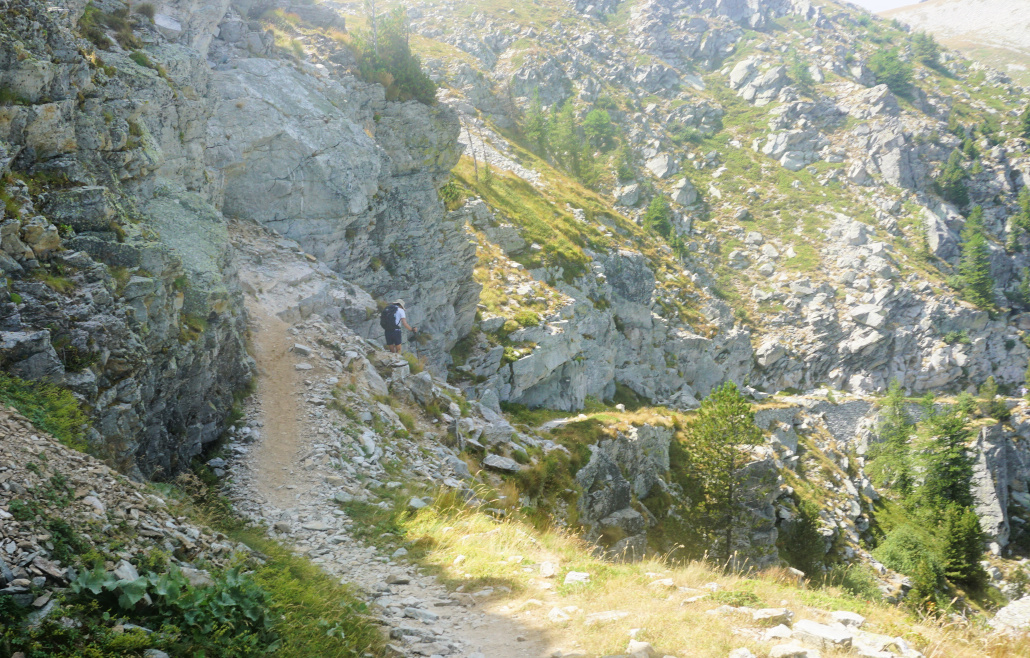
point(388, 318)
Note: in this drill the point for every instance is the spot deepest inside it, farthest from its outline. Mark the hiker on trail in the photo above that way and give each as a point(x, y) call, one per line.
point(391, 320)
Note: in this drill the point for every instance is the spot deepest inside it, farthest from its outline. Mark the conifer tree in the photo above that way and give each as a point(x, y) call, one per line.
point(1024, 123)
point(890, 70)
point(534, 126)
point(624, 163)
point(963, 546)
point(990, 405)
point(891, 458)
point(926, 579)
point(801, 75)
point(974, 268)
point(658, 217)
point(724, 423)
point(589, 172)
point(384, 56)
point(599, 129)
point(952, 181)
point(925, 48)
point(1024, 286)
point(564, 139)
point(948, 467)
point(1021, 220)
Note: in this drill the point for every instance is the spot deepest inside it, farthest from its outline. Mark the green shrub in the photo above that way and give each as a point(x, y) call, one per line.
point(94, 21)
point(10, 97)
point(414, 365)
point(737, 598)
point(146, 10)
point(681, 134)
point(527, 318)
point(959, 337)
point(891, 71)
point(407, 420)
point(92, 27)
point(142, 59)
point(511, 355)
point(384, 57)
point(905, 547)
point(856, 579)
point(55, 282)
point(51, 409)
point(452, 196)
point(232, 617)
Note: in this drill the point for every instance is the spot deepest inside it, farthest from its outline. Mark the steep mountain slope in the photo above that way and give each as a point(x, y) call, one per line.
point(995, 32)
point(813, 213)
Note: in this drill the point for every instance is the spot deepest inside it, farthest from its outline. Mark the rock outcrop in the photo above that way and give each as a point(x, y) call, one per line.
point(326, 161)
point(121, 280)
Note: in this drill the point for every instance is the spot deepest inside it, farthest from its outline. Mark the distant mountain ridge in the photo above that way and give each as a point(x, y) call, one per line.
point(995, 32)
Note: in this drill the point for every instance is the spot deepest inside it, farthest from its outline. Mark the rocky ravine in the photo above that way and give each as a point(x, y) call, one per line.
point(348, 428)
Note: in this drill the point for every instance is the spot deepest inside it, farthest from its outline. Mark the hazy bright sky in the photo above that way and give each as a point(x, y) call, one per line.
point(880, 5)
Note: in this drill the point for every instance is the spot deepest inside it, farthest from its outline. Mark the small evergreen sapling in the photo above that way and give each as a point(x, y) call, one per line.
point(724, 424)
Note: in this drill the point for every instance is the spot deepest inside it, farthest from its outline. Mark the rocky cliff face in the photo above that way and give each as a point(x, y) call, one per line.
point(120, 154)
point(603, 329)
point(108, 291)
point(326, 161)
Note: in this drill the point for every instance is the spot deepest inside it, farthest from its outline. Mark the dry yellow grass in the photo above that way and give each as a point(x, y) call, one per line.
point(472, 551)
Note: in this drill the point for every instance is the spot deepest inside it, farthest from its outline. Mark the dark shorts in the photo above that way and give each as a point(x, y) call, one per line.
point(393, 336)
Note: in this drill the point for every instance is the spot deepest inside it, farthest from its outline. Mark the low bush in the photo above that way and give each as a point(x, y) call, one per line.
point(230, 617)
point(905, 547)
point(856, 579)
point(527, 318)
point(50, 408)
point(384, 56)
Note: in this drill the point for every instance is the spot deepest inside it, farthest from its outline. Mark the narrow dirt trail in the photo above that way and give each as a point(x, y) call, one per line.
point(276, 479)
point(279, 398)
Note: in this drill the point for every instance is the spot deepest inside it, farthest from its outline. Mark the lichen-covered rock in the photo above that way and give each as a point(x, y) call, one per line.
point(140, 313)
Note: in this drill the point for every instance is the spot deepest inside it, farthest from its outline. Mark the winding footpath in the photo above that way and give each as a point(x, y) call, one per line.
point(289, 468)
